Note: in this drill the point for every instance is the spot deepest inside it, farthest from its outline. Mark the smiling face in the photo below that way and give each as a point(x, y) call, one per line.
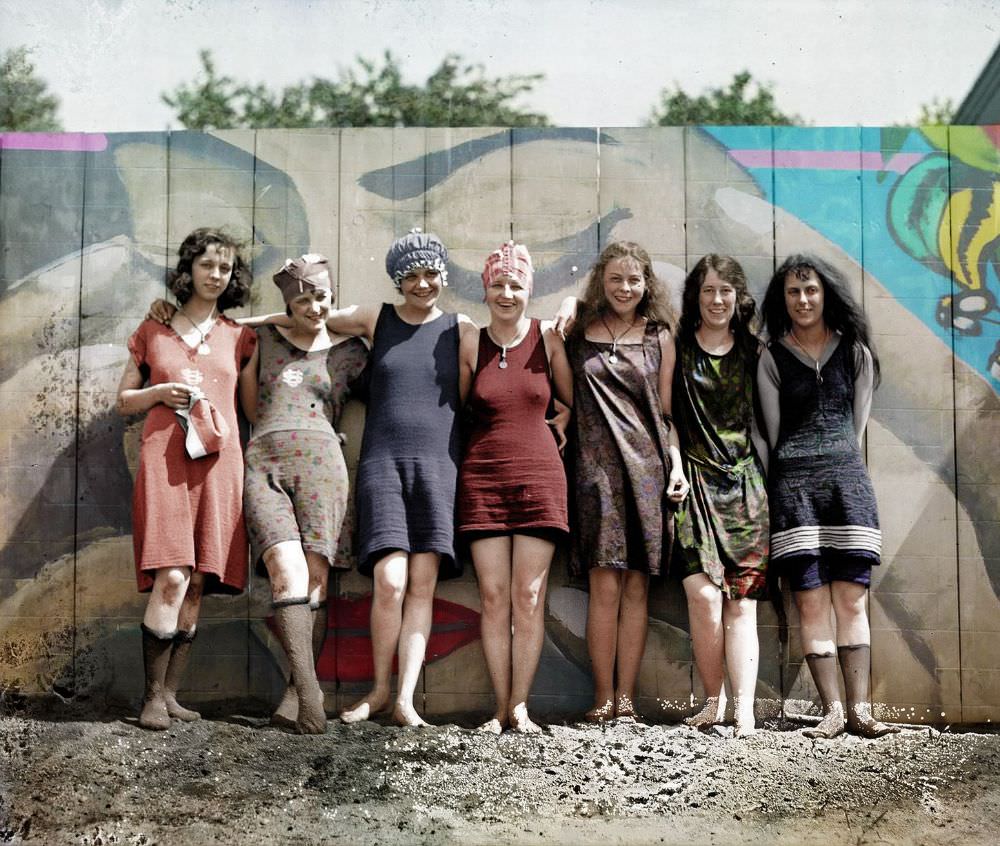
point(210, 273)
point(624, 287)
point(716, 301)
point(507, 298)
point(421, 287)
point(804, 299)
point(310, 310)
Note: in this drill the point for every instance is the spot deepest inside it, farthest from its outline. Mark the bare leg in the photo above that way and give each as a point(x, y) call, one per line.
point(742, 657)
point(390, 582)
point(816, 621)
point(854, 651)
point(704, 601)
point(532, 558)
point(633, 623)
point(418, 614)
point(602, 639)
point(492, 559)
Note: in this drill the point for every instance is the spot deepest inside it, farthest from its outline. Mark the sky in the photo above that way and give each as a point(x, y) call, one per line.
point(832, 62)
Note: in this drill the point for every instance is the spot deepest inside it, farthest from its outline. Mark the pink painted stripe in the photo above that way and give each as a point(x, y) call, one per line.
point(825, 160)
point(66, 142)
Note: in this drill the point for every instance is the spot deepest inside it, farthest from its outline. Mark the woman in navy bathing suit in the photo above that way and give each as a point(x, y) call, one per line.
point(815, 381)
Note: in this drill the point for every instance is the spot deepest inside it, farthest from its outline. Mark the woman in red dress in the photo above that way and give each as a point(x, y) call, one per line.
point(512, 485)
point(187, 519)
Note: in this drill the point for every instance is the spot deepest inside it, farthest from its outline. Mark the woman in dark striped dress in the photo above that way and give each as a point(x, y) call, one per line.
point(815, 382)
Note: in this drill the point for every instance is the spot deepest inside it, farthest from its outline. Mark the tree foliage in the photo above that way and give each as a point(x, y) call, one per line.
point(25, 105)
point(370, 94)
point(936, 112)
point(721, 106)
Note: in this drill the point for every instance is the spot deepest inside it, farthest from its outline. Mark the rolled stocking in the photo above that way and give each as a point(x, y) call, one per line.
point(824, 672)
point(175, 672)
point(156, 647)
point(855, 661)
point(294, 619)
point(319, 628)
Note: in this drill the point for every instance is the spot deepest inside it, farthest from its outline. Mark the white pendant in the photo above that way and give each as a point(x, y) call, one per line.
point(613, 358)
point(204, 349)
point(503, 364)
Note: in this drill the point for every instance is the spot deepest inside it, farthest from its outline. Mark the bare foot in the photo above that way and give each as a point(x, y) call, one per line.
point(746, 725)
point(624, 707)
point(287, 712)
point(366, 708)
point(601, 713)
point(520, 721)
point(406, 715)
point(492, 726)
point(832, 724)
point(710, 715)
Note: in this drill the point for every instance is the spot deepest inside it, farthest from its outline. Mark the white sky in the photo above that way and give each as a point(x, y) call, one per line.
point(832, 62)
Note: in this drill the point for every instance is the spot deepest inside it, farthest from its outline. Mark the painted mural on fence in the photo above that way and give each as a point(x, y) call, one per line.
point(88, 223)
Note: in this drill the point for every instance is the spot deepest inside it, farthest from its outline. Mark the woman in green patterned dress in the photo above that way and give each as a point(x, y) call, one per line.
point(722, 527)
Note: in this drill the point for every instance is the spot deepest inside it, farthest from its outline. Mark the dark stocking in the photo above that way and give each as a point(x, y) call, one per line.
point(175, 672)
point(854, 664)
point(824, 673)
point(295, 623)
point(156, 649)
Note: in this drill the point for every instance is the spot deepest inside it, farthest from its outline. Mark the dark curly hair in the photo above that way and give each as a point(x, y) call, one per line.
point(840, 311)
point(744, 323)
point(237, 292)
point(655, 302)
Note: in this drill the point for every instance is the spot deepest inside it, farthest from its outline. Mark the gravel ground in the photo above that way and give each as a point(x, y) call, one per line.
point(236, 780)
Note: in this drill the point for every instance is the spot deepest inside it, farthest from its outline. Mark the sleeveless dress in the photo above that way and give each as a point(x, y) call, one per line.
point(512, 476)
point(821, 497)
point(722, 525)
point(621, 459)
point(407, 472)
point(296, 485)
point(188, 512)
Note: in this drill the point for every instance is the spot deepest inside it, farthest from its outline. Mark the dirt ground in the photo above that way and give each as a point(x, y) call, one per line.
point(236, 780)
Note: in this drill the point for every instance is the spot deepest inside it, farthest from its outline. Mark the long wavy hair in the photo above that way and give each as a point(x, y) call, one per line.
point(840, 310)
point(655, 303)
point(744, 323)
point(237, 292)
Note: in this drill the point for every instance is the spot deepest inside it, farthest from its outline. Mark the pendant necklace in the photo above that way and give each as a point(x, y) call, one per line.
point(203, 348)
point(809, 355)
point(613, 356)
point(502, 364)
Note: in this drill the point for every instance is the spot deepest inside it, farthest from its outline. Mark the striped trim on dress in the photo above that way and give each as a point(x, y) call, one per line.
point(812, 538)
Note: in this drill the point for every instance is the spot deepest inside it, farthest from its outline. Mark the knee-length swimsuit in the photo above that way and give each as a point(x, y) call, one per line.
point(822, 501)
point(188, 512)
point(296, 486)
point(621, 459)
point(407, 472)
point(512, 475)
point(722, 525)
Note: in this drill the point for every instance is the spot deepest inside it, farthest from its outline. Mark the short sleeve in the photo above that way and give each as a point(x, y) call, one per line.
point(245, 346)
point(138, 344)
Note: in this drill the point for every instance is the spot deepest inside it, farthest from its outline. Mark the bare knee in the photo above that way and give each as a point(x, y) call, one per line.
point(635, 589)
point(527, 599)
point(704, 599)
point(605, 592)
point(849, 602)
point(494, 597)
point(172, 584)
point(421, 589)
point(389, 588)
